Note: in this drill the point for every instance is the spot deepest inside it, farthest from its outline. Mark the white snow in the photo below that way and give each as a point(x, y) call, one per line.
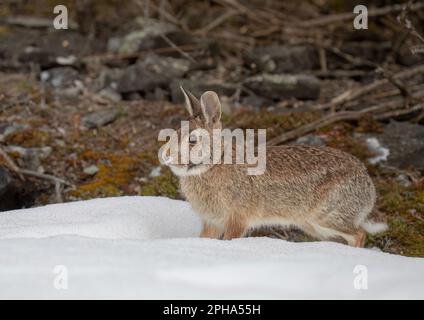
point(148, 248)
point(381, 153)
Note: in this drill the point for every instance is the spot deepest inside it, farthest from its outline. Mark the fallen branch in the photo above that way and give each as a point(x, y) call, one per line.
point(403, 19)
point(44, 176)
point(34, 22)
point(11, 163)
point(398, 83)
point(22, 172)
point(125, 56)
point(354, 93)
point(344, 116)
point(178, 49)
point(329, 19)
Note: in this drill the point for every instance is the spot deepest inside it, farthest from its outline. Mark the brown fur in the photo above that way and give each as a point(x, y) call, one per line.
point(323, 191)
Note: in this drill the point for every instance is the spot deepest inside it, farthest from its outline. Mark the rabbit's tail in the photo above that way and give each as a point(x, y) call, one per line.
point(374, 227)
point(374, 222)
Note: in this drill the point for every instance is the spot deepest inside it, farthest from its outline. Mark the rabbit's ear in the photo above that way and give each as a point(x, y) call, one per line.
point(191, 102)
point(211, 107)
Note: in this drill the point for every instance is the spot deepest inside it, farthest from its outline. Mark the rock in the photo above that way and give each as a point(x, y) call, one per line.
point(283, 58)
point(199, 86)
point(8, 191)
point(61, 77)
point(110, 94)
point(368, 50)
point(34, 55)
point(157, 94)
point(108, 79)
point(30, 158)
point(10, 128)
point(311, 140)
point(155, 172)
point(403, 180)
point(149, 36)
point(407, 58)
point(91, 170)
point(100, 118)
point(152, 72)
point(406, 144)
point(132, 96)
point(282, 86)
point(256, 101)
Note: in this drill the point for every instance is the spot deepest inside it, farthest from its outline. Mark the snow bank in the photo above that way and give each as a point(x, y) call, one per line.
point(147, 247)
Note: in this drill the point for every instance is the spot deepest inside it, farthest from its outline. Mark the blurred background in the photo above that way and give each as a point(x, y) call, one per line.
point(80, 109)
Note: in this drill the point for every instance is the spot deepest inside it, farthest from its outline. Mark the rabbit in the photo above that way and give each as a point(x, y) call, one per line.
point(325, 192)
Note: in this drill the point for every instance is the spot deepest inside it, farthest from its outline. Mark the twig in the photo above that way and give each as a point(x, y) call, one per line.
point(33, 22)
point(404, 20)
point(215, 23)
point(124, 56)
point(329, 19)
point(178, 49)
point(397, 113)
point(44, 176)
point(354, 93)
point(341, 116)
point(22, 172)
point(398, 83)
point(11, 163)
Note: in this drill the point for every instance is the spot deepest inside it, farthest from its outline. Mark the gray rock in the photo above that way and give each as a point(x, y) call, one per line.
point(152, 72)
point(91, 170)
point(199, 86)
point(8, 192)
point(148, 36)
point(311, 140)
point(110, 94)
point(30, 158)
point(132, 96)
point(61, 77)
point(156, 171)
point(282, 86)
point(407, 58)
point(403, 180)
point(406, 144)
point(100, 118)
point(157, 94)
point(283, 58)
point(34, 55)
point(256, 101)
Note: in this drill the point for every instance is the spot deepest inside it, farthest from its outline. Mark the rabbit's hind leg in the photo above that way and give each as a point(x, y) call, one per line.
point(328, 233)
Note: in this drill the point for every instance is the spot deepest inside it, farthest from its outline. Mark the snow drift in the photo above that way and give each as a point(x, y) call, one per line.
point(147, 248)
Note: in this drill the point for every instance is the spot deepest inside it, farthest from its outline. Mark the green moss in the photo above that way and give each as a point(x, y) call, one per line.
point(29, 138)
point(114, 175)
point(165, 185)
point(403, 208)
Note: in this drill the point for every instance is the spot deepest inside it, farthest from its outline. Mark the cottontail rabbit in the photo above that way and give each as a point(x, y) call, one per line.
point(323, 191)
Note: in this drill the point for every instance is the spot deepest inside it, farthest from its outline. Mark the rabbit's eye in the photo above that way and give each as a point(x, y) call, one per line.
point(192, 139)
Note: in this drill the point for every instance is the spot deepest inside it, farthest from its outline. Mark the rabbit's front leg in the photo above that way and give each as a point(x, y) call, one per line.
point(210, 231)
point(234, 228)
